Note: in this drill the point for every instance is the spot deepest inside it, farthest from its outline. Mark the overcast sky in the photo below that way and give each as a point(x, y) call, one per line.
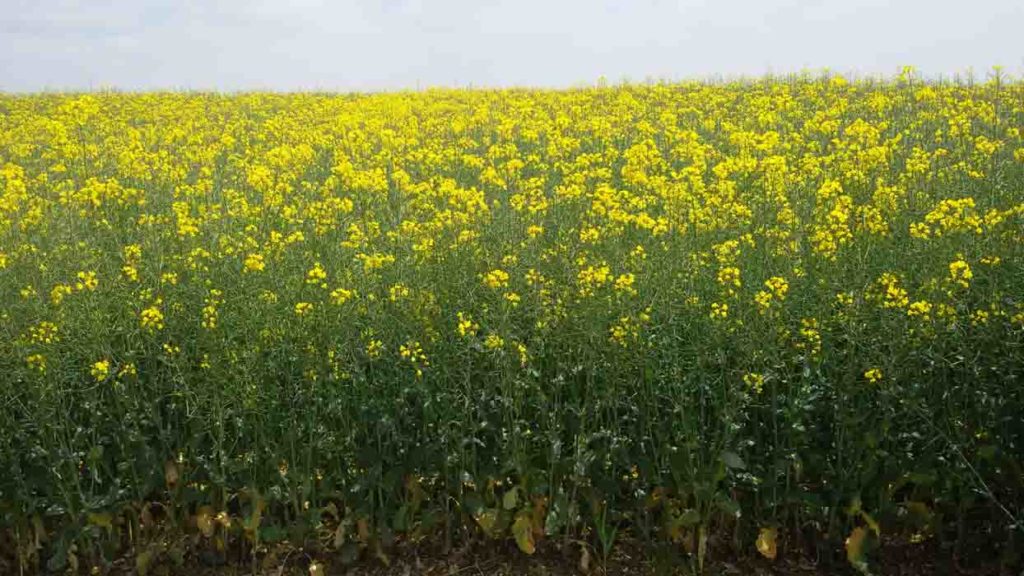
point(388, 44)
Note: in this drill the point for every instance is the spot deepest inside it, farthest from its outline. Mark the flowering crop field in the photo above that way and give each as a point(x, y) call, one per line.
point(770, 317)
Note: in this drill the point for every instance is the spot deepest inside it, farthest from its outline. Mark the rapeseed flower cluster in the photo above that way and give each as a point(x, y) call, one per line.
point(433, 272)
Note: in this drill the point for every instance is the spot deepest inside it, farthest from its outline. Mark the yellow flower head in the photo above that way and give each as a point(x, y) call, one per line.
point(100, 370)
point(152, 319)
point(496, 279)
point(874, 375)
point(754, 381)
point(254, 263)
point(960, 273)
point(466, 326)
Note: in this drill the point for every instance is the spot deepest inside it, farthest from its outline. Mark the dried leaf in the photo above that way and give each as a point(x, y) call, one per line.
point(540, 505)
point(204, 520)
point(584, 558)
point(363, 529)
point(339, 536)
point(702, 547)
point(171, 474)
point(146, 517)
point(379, 553)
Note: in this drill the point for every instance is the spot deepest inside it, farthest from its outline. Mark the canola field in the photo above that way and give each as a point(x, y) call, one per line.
point(738, 318)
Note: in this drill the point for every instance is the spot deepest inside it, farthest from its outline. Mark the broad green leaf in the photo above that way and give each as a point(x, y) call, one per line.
point(510, 499)
point(733, 460)
point(689, 518)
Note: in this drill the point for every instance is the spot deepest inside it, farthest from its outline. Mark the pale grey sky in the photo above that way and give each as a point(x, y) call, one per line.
point(387, 44)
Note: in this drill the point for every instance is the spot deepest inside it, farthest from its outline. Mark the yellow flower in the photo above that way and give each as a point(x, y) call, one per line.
point(960, 273)
point(466, 326)
point(58, 293)
point(920, 308)
point(36, 362)
point(719, 311)
point(316, 275)
point(493, 341)
point(398, 292)
point(592, 277)
point(624, 284)
point(128, 369)
point(729, 277)
point(496, 279)
point(340, 295)
point(776, 289)
point(374, 348)
point(754, 381)
point(811, 336)
point(130, 272)
point(86, 281)
point(413, 352)
point(152, 318)
point(874, 375)
point(524, 356)
point(303, 308)
point(44, 333)
point(100, 370)
point(254, 263)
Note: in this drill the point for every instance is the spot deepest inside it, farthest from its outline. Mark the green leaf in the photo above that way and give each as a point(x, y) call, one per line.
point(510, 499)
point(733, 460)
point(101, 519)
point(689, 518)
point(487, 519)
point(142, 562)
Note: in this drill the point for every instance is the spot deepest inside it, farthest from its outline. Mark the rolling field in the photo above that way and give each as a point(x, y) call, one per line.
point(778, 317)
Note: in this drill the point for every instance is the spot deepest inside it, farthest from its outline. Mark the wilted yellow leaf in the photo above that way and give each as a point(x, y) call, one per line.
point(101, 519)
point(766, 542)
point(363, 529)
point(171, 474)
point(522, 529)
point(856, 548)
